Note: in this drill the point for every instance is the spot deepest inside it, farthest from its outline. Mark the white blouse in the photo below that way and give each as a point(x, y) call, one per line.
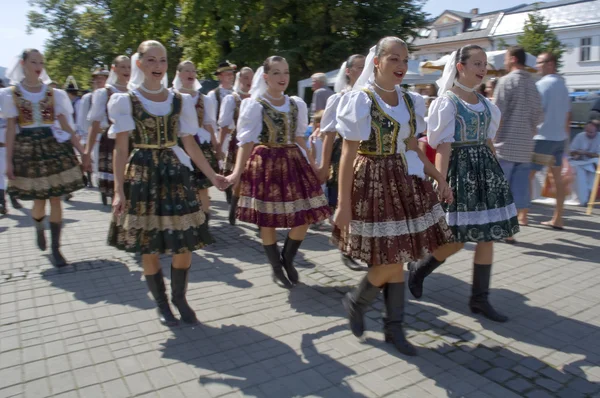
point(329, 118)
point(62, 104)
point(442, 119)
point(354, 121)
point(208, 119)
point(83, 108)
point(226, 113)
point(120, 114)
point(213, 97)
point(98, 111)
point(250, 121)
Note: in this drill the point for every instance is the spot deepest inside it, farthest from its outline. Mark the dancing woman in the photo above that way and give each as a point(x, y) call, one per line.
point(187, 83)
point(118, 78)
point(41, 164)
point(462, 124)
point(386, 215)
point(155, 208)
point(279, 188)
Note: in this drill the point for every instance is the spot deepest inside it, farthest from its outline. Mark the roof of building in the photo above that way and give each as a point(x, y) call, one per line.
point(559, 14)
point(543, 5)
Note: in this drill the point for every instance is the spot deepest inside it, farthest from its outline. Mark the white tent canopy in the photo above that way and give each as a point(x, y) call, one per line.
point(412, 77)
point(495, 63)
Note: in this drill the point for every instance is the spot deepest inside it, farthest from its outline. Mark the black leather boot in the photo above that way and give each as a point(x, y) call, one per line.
point(290, 249)
point(393, 295)
point(179, 282)
point(356, 303)
point(89, 180)
point(418, 271)
point(104, 199)
point(352, 263)
point(233, 209)
point(156, 285)
point(57, 257)
point(229, 194)
point(479, 302)
point(272, 252)
point(15, 203)
point(3, 210)
point(39, 232)
point(207, 218)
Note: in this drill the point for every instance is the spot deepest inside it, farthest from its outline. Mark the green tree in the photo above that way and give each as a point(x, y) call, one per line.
point(537, 38)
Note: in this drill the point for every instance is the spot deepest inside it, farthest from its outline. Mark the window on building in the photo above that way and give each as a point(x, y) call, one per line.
point(484, 24)
point(585, 49)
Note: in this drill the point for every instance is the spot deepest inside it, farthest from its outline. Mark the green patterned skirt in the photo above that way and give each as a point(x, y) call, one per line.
point(162, 214)
point(483, 209)
point(201, 181)
point(43, 167)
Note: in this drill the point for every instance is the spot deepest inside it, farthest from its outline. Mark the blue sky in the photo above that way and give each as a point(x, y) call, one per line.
point(15, 39)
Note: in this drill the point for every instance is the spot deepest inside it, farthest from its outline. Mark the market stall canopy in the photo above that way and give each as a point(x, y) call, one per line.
point(495, 63)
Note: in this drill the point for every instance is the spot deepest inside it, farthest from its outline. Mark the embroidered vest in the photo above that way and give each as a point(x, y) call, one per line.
point(155, 132)
point(238, 103)
point(30, 113)
point(384, 129)
point(470, 126)
point(200, 109)
point(217, 92)
point(278, 127)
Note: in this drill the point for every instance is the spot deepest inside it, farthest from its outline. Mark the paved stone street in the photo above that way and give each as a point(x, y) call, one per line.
point(89, 330)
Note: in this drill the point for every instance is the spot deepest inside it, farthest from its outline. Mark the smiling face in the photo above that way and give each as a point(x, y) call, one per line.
point(123, 69)
point(33, 65)
point(474, 69)
point(226, 79)
point(355, 70)
point(278, 77)
point(154, 63)
point(187, 74)
point(246, 80)
point(392, 65)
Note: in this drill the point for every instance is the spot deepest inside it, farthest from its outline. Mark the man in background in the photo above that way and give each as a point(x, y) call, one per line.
point(321, 92)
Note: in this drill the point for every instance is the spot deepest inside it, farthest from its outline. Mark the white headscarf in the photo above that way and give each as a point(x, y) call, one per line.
point(178, 84)
point(16, 73)
point(368, 72)
point(341, 82)
point(236, 85)
point(446, 82)
point(137, 76)
point(112, 77)
point(259, 85)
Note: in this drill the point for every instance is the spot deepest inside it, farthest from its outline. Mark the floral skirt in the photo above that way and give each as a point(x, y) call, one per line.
point(483, 209)
point(43, 167)
point(279, 189)
point(202, 181)
point(162, 214)
point(106, 179)
point(231, 156)
point(396, 218)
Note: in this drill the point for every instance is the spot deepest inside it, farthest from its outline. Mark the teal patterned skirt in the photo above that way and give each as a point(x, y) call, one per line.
point(162, 214)
point(483, 209)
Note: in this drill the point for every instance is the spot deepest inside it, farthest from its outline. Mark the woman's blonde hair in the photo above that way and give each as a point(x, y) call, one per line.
point(146, 45)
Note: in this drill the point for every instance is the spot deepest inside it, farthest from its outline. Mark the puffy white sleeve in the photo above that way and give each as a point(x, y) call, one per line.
point(9, 109)
point(328, 121)
point(250, 121)
point(227, 111)
point(188, 118)
point(440, 125)
point(495, 122)
point(62, 103)
point(99, 100)
point(302, 124)
point(119, 113)
point(209, 111)
point(420, 110)
point(353, 116)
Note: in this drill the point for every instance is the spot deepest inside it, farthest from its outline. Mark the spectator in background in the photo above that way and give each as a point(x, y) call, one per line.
point(320, 93)
point(595, 111)
point(490, 86)
point(520, 103)
point(553, 132)
point(585, 149)
point(482, 89)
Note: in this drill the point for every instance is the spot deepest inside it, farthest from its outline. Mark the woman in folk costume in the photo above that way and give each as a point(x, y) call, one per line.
point(155, 208)
point(118, 78)
point(41, 163)
point(349, 73)
point(462, 125)
point(279, 188)
point(186, 82)
point(387, 213)
point(228, 117)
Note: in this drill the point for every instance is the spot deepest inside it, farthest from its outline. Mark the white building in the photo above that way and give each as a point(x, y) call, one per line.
point(576, 24)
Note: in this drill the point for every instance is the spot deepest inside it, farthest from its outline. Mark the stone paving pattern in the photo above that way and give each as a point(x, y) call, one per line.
point(90, 330)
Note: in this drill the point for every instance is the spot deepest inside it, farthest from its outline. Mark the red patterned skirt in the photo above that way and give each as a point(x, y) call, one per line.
point(279, 189)
point(396, 218)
